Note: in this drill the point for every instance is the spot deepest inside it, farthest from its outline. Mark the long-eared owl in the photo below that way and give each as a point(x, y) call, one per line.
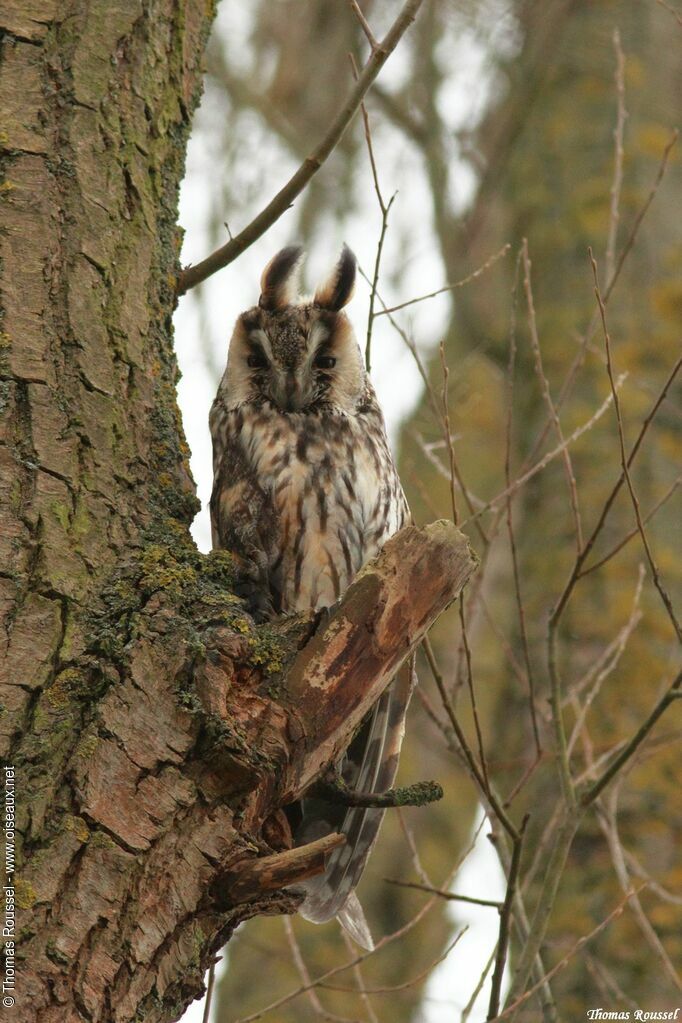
point(305, 492)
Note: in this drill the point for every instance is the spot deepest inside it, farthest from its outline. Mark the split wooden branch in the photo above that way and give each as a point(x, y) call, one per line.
point(193, 275)
point(254, 877)
point(347, 664)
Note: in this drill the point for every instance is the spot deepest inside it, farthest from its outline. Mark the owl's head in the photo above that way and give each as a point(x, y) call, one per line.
point(299, 354)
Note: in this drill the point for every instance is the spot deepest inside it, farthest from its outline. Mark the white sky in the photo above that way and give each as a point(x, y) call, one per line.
point(394, 374)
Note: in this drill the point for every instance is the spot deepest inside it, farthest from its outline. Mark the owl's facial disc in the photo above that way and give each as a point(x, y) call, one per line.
point(297, 378)
point(300, 358)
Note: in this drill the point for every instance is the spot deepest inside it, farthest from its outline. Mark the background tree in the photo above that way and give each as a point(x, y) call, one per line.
point(532, 155)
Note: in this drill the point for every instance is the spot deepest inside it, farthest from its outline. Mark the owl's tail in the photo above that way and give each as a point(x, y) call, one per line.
point(369, 765)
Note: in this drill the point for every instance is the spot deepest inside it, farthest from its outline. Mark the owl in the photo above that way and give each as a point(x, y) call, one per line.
point(305, 492)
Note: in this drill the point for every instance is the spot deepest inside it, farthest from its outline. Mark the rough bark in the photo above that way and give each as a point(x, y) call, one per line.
point(154, 730)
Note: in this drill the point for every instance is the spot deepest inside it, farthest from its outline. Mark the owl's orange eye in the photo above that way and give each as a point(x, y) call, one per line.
point(256, 361)
point(325, 362)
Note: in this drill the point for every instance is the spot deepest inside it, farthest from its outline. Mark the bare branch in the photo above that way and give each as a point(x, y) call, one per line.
point(511, 367)
point(466, 1011)
point(451, 896)
point(359, 979)
point(671, 9)
point(364, 25)
point(510, 1009)
point(225, 255)
point(618, 157)
point(592, 326)
point(382, 943)
point(649, 418)
point(633, 532)
point(521, 481)
point(624, 462)
point(450, 287)
point(547, 395)
point(615, 653)
point(422, 975)
point(469, 757)
point(505, 923)
point(472, 692)
point(209, 993)
point(304, 974)
point(609, 824)
point(385, 210)
point(673, 693)
point(252, 877)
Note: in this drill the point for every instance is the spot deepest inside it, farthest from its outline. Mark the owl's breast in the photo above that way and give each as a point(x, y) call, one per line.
point(335, 498)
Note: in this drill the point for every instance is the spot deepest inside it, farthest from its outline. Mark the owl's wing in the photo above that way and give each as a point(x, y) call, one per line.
point(243, 519)
point(370, 765)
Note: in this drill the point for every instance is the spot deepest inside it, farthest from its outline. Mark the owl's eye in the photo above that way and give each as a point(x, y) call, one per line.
point(325, 362)
point(256, 361)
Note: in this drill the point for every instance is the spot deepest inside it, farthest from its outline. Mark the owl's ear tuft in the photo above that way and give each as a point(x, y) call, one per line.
point(280, 280)
point(337, 290)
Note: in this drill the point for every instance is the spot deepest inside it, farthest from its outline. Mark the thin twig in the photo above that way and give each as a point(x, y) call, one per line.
point(654, 886)
point(547, 394)
point(472, 693)
point(505, 923)
point(607, 982)
point(511, 367)
point(512, 660)
point(315, 1003)
point(364, 25)
point(521, 481)
point(618, 156)
point(610, 666)
point(193, 275)
point(455, 473)
point(633, 532)
point(673, 693)
point(209, 993)
point(671, 9)
point(564, 833)
point(443, 894)
point(663, 593)
point(466, 1011)
point(422, 975)
point(449, 287)
point(447, 432)
point(409, 838)
point(359, 958)
point(609, 824)
point(567, 386)
point(461, 738)
point(383, 206)
point(608, 504)
point(360, 980)
point(510, 1009)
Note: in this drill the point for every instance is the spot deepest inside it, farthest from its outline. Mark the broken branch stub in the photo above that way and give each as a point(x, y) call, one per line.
point(347, 664)
point(256, 877)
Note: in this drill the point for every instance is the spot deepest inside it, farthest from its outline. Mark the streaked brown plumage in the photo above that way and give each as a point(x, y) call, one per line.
point(305, 492)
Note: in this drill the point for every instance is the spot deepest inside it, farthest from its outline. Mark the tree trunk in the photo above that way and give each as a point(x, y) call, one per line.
point(153, 730)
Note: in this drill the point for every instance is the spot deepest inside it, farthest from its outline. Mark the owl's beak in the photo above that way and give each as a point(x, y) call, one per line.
point(291, 396)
